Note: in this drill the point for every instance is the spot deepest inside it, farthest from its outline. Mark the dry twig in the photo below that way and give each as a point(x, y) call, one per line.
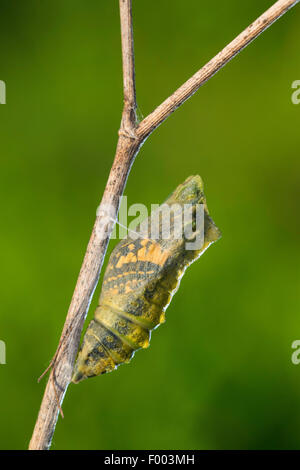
point(131, 137)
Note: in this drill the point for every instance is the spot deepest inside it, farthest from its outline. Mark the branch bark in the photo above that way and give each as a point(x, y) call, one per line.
point(129, 110)
point(131, 137)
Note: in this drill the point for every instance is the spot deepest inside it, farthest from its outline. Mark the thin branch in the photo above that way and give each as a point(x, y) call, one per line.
point(127, 147)
point(129, 111)
point(129, 142)
point(186, 90)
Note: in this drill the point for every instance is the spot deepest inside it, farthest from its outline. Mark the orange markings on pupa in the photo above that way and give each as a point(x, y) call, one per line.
point(151, 253)
point(154, 254)
point(130, 258)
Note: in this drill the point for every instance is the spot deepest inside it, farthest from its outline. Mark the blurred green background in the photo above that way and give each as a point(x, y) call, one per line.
point(218, 373)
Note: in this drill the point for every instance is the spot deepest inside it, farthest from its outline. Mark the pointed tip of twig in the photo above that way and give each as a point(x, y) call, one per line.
point(45, 371)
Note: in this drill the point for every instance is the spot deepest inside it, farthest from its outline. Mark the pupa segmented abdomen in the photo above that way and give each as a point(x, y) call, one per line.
point(140, 279)
point(123, 320)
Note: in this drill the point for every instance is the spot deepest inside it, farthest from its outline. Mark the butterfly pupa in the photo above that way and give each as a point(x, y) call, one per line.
point(140, 279)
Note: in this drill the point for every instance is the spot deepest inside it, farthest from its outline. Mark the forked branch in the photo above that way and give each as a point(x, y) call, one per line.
point(130, 139)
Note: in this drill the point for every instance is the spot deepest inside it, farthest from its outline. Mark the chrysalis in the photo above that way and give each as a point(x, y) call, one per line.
point(142, 275)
